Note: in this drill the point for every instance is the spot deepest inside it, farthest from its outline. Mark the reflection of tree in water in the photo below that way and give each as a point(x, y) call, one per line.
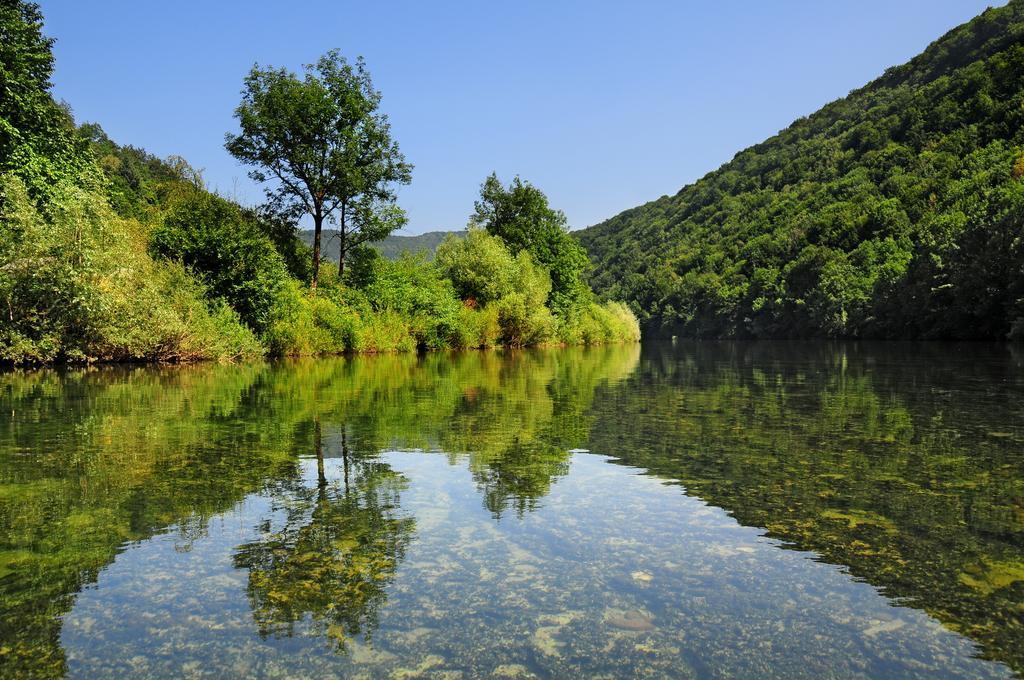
point(120, 454)
point(336, 551)
point(520, 477)
point(517, 429)
point(901, 462)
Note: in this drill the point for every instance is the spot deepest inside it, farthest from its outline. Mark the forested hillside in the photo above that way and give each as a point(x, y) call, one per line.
point(896, 212)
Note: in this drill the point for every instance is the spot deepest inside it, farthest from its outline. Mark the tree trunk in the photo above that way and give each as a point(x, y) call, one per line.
point(344, 455)
point(341, 243)
point(318, 225)
point(321, 477)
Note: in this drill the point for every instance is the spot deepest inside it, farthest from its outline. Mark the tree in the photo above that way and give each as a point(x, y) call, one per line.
point(366, 219)
point(480, 266)
point(282, 230)
point(521, 217)
point(36, 133)
point(892, 213)
point(325, 146)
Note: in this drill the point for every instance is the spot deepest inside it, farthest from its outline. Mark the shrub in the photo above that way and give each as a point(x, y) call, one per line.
point(415, 289)
point(306, 323)
point(476, 328)
point(385, 331)
point(521, 217)
point(598, 324)
point(523, 324)
point(79, 285)
point(227, 251)
point(480, 266)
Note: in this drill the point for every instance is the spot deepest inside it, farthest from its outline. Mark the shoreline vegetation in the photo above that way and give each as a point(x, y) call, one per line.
point(110, 254)
point(894, 213)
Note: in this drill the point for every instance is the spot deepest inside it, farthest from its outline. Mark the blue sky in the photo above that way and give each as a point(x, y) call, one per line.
point(602, 105)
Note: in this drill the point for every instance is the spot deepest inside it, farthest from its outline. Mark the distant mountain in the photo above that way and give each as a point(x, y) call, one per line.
point(391, 247)
point(895, 212)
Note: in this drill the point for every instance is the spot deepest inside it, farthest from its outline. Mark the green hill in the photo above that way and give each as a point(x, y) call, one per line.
point(392, 247)
point(896, 212)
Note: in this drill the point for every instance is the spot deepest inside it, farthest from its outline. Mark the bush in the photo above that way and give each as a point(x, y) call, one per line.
point(79, 285)
point(476, 328)
point(385, 331)
point(521, 217)
point(283, 233)
point(523, 324)
point(480, 266)
point(227, 251)
point(306, 323)
point(414, 289)
point(598, 324)
point(626, 327)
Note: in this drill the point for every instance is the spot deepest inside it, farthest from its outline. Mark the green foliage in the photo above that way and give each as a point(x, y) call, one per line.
point(484, 270)
point(284, 234)
point(36, 134)
point(137, 182)
point(522, 324)
point(521, 217)
point(894, 212)
point(237, 262)
point(595, 324)
point(363, 265)
point(480, 266)
point(305, 324)
point(476, 328)
point(512, 292)
point(109, 253)
point(415, 290)
point(79, 285)
point(324, 146)
point(385, 331)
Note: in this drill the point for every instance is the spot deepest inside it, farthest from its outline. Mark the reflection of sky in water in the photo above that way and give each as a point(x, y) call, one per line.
point(614, 572)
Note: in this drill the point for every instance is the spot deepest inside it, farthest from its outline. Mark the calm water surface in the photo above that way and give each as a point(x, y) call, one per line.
point(677, 510)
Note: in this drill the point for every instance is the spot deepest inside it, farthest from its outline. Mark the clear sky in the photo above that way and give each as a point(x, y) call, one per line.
point(603, 105)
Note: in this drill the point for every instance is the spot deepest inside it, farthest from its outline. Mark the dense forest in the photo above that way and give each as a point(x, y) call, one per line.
point(108, 253)
point(896, 212)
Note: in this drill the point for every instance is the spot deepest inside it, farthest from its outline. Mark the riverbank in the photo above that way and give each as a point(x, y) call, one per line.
point(111, 254)
point(191, 276)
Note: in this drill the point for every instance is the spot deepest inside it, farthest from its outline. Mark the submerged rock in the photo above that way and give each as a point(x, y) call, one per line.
point(512, 670)
point(630, 620)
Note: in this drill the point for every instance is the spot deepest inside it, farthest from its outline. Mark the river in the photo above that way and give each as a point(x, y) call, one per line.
point(676, 509)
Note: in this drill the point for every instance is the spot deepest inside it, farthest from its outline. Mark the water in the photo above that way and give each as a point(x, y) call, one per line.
point(680, 510)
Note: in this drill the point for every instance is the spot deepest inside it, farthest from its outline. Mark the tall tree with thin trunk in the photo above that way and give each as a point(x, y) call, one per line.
point(376, 168)
point(323, 147)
